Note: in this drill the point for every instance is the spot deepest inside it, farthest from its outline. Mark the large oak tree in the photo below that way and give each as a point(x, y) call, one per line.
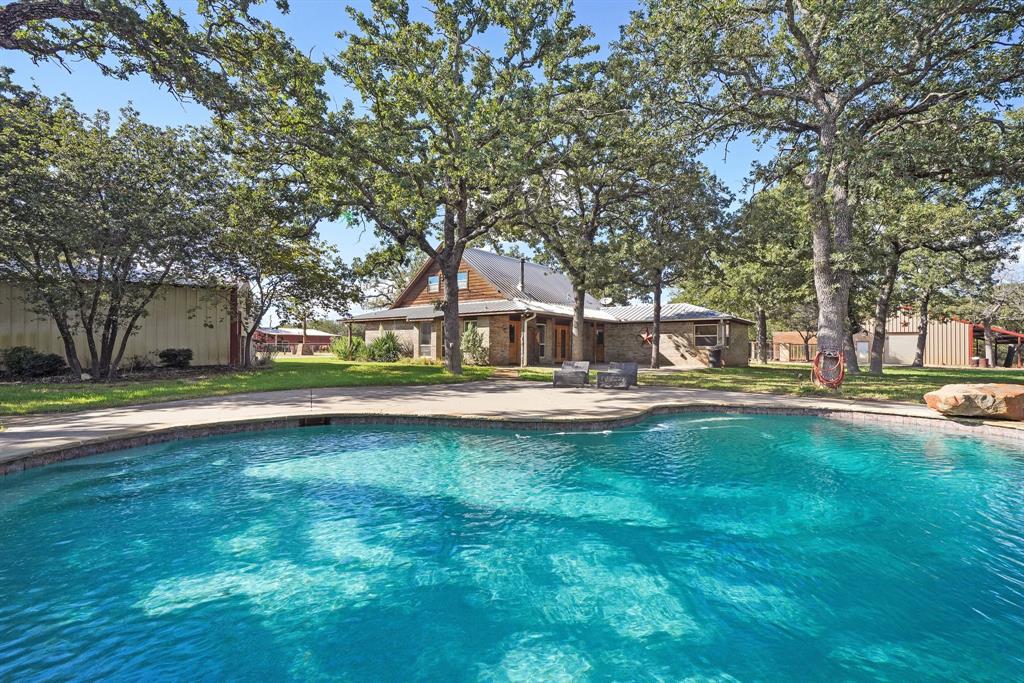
point(825, 80)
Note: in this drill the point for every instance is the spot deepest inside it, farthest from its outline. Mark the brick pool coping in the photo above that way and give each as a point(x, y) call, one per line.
point(33, 441)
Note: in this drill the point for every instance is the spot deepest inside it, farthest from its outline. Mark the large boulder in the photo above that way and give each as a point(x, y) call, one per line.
point(996, 401)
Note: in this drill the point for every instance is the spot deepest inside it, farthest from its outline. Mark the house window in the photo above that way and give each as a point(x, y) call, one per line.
point(464, 280)
point(425, 334)
point(469, 325)
point(511, 333)
point(705, 335)
point(542, 340)
point(434, 283)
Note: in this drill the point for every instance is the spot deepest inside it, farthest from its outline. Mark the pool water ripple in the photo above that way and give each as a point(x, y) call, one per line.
point(703, 546)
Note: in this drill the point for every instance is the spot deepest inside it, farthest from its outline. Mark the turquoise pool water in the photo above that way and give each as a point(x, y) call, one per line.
point(706, 546)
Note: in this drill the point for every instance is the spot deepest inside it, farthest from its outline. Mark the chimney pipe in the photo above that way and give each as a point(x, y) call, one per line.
point(522, 274)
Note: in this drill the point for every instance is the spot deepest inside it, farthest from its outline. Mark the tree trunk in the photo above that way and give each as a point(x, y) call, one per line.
point(922, 331)
point(832, 232)
point(578, 306)
point(70, 350)
point(850, 351)
point(656, 332)
point(990, 343)
point(107, 351)
point(882, 311)
point(452, 334)
point(807, 349)
point(247, 350)
point(761, 320)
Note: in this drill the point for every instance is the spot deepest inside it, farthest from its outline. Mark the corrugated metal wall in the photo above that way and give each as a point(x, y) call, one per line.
point(179, 317)
point(949, 341)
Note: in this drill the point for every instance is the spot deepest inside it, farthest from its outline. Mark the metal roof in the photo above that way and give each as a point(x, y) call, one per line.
point(310, 332)
point(428, 312)
point(644, 313)
point(540, 282)
point(545, 292)
point(471, 308)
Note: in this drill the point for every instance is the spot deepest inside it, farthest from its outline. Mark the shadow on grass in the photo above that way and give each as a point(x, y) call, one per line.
point(285, 374)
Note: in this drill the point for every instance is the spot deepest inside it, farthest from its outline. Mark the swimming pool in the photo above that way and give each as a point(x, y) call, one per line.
point(752, 547)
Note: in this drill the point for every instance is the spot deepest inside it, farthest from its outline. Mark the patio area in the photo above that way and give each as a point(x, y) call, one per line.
point(31, 441)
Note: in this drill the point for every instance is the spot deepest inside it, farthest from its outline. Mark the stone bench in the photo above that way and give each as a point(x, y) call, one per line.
point(612, 380)
point(572, 374)
point(618, 376)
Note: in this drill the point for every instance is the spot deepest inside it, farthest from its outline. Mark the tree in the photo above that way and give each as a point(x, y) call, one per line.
point(97, 220)
point(281, 264)
point(438, 157)
point(127, 37)
point(935, 283)
point(763, 270)
point(674, 229)
point(825, 80)
point(597, 164)
point(803, 318)
point(323, 286)
point(991, 303)
point(385, 273)
point(905, 218)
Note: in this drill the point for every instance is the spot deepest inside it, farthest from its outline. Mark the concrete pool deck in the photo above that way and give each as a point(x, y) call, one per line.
point(30, 441)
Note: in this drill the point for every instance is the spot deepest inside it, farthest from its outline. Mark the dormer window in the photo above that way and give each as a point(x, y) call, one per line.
point(464, 280)
point(434, 283)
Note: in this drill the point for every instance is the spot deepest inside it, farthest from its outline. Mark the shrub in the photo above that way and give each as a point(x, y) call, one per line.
point(340, 348)
point(264, 354)
point(386, 348)
point(474, 351)
point(175, 358)
point(139, 363)
point(422, 360)
point(24, 361)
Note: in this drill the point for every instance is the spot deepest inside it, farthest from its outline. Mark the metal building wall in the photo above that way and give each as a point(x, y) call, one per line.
point(197, 318)
point(949, 341)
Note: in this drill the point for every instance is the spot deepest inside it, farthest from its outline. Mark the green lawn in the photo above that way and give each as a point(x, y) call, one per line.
point(286, 373)
point(896, 384)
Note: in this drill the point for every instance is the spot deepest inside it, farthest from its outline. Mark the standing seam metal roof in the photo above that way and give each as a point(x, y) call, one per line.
point(540, 282)
point(641, 313)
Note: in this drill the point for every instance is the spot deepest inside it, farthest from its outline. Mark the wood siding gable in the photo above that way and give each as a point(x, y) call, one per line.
point(418, 294)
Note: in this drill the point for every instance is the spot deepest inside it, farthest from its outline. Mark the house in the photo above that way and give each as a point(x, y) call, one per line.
point(316, 340)
point(517, 305)
point(202, 318)
point(790, 347)
point(950, 342)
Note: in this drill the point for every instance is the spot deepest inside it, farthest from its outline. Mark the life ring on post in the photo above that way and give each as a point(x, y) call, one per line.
point(829, 369)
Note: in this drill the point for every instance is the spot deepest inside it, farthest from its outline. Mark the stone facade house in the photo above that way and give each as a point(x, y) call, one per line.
point(523, 311)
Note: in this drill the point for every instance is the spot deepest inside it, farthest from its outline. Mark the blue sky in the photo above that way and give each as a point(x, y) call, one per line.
point(312, 24)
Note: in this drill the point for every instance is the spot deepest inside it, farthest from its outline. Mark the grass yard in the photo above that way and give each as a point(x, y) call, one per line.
point(895, 384)
point(285, 373)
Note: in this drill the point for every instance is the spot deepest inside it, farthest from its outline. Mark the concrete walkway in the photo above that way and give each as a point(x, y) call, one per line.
point(35, 440)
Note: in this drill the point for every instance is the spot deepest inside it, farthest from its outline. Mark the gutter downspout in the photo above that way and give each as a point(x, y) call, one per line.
point(525, 343)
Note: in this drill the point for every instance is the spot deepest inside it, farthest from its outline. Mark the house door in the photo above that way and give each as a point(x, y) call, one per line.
point(599, 343)
point(514, 342)
point(562, 342)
